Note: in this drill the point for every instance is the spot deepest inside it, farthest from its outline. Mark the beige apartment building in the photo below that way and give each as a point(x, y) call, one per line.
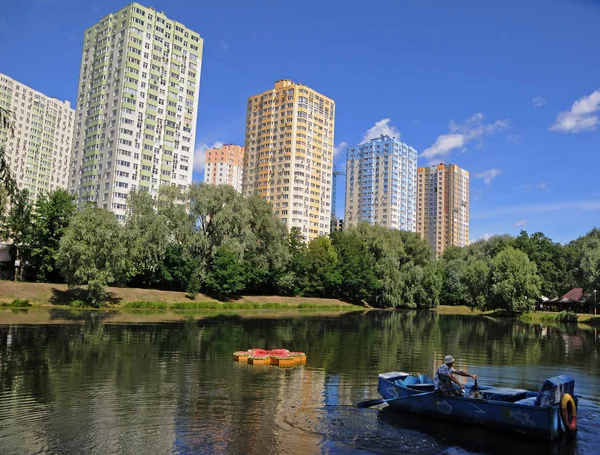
point(225, 166)
point(39, 151)
point(289, 155)
point(443, 206)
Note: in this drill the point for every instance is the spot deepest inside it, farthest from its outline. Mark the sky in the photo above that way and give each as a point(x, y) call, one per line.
point(509, 91)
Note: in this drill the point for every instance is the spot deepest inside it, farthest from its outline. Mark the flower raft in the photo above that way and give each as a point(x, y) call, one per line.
point(278, 357)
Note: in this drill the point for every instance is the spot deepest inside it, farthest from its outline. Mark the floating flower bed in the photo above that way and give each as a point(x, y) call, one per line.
point(241, 356)
point(259, 360)
point(299, 357)
point(279, 357)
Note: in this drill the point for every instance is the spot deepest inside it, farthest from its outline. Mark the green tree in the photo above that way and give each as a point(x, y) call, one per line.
point(429, 290)
point(514, 281)
point(265, 252)
point(322, 274)
point(589, 265)
point(147, 234)
point(227, 275)
point(359, 280)
point(288, 281)
point(17, 229)
point(7, 181)
point(454, 291)
point(551, 260)
point(53, 212)
point(93, 253)
point(475, 279)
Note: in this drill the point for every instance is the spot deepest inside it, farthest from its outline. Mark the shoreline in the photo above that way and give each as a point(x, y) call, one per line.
point(533, 317)
point(58, 296)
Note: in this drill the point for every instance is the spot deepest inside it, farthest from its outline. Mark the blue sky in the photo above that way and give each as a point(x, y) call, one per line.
point(490, 86)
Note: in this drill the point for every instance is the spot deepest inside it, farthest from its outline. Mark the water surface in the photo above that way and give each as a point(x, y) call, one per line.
point(165, 383)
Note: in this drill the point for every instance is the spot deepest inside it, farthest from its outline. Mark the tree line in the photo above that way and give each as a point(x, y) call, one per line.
point(209, 239)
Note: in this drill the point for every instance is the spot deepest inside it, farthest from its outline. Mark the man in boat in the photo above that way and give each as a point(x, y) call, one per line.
point(446, 382)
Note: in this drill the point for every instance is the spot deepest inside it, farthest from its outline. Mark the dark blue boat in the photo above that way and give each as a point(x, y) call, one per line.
point(545, 414)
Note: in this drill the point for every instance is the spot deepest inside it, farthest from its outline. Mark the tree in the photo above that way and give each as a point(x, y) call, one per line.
point(514, 281)
point(93, 253)
point(227, 275)
point(322, 273)
point(551, 261)
point(17, 228)
point(7, 181)
point(428, 292)
point(53, 212)
point(475, 279)
point(359, 280)
point(147, 235)
point(266, 255)
point(453, 290)
point(589, 265)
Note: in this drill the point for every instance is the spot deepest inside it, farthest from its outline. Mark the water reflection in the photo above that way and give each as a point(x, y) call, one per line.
point(100, 382)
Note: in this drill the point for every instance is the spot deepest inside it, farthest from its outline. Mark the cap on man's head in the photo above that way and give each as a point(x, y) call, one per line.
point(448, 359)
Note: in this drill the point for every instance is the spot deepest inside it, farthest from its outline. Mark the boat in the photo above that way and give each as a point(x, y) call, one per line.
point(546, 414)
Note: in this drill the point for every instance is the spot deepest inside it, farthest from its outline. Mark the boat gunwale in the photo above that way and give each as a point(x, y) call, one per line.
point(413, 392)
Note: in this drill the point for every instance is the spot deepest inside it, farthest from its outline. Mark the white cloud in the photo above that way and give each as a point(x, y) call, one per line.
point(383, 126)
point(538, 101)
point(484, 237)
point(520, 223)
point(514, 139)
point(200, 154)
point(473, 129)
point(339, 148)
point(224, 45)
point(581, 117)
point(443, 145)
point(488, 175)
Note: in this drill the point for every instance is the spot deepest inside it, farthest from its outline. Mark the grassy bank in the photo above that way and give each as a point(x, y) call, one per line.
point(538, 317)
point(47, 294)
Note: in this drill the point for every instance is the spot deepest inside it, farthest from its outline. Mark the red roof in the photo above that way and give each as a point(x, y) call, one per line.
point(575, 294)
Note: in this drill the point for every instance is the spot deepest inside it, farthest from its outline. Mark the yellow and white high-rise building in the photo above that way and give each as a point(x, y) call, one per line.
point(289, 155)
point(443, 206)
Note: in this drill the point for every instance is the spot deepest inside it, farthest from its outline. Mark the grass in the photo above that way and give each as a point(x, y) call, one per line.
point(48, 294)
point(17, 303)
point(533, 317)
point(145, 305)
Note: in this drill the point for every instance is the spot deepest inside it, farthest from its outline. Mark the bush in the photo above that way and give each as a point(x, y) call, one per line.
point(18, 303)
point(78, 304)
point(566, 316)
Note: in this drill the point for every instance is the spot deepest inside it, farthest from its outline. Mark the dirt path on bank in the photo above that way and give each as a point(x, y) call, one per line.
point(48, 293)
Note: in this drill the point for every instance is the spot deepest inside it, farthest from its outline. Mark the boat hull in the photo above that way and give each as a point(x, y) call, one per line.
point(532, 421)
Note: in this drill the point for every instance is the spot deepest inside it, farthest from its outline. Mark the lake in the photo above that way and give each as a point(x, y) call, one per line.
point(165, 383)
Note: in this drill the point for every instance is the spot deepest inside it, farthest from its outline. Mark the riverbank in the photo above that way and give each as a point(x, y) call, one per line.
point(48, 294)
point(535, 317)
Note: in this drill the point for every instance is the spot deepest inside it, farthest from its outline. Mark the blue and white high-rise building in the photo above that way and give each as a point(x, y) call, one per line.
point(381, 184)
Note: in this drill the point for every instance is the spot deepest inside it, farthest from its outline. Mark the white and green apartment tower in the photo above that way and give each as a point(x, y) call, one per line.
point(38, 150)
point(137, 105)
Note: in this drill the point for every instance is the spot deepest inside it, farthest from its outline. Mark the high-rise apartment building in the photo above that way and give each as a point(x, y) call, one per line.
point(443, 206)
point(224, 166)
point(137, 105)
point(39, 151)
point(289, 155)
point(381, 184)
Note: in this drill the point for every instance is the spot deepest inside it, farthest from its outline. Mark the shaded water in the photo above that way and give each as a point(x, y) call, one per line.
point(107, 383)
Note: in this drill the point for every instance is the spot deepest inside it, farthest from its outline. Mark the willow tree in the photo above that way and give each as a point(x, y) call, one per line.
point(7, 181)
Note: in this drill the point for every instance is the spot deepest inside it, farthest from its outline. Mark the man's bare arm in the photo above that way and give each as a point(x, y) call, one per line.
point(464, 373)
